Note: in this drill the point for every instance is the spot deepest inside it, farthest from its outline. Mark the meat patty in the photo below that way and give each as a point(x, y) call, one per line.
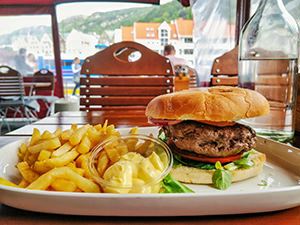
point(210, 140)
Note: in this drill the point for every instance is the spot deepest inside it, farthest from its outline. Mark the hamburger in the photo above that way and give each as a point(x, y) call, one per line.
point(201, 127)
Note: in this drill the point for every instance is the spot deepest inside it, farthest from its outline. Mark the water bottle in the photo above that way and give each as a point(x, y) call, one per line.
point(268, 63)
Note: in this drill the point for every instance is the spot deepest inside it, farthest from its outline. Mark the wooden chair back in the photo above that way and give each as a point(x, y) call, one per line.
point(114, 79)
point(225, 69)
point(11, 83)
point(46, 76)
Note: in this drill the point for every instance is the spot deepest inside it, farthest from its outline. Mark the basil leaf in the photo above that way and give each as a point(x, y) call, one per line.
point(219, 166)
point(171, 185)
point(243, 163)
point(222, 179)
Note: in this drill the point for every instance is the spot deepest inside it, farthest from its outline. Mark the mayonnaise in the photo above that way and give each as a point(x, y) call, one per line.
point(133, 171)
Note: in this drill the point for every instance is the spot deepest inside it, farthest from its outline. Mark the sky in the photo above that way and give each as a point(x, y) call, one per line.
point(63, 11)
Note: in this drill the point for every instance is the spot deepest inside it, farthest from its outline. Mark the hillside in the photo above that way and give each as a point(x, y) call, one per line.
point(37, 31)
point(107, 21)
point(99, 22)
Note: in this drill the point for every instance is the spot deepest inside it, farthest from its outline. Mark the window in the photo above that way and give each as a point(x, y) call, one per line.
point(188, 40)
point(164, 33)
point(31, 48)
point(163, 41)
point(188, 51)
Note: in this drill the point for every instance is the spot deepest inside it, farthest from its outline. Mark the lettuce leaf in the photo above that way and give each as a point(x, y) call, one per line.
point(178, 160)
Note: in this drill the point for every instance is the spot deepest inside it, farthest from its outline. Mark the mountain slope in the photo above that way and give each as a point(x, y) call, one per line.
point(107, 21)
point(98, 22)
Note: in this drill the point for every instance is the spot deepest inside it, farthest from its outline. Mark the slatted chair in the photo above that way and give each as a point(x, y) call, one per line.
point(46, 76)
point(46, 94)
point(225, 69)
point(12, 96)
point(113, 80)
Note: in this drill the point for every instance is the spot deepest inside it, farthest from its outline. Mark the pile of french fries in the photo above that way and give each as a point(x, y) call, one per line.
point(58, 161)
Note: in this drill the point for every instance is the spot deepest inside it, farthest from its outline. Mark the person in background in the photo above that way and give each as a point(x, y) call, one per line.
point(169, 52)
point(76, 67)
point(20, 63)
point(32, 62)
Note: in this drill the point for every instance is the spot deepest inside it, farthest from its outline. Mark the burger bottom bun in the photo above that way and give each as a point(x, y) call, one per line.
point(192, 175)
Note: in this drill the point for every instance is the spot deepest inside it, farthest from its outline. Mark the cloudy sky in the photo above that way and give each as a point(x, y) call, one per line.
point(11, 23)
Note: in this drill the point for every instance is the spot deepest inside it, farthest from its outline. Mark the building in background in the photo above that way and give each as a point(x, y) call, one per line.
point(79, 44)
point(34, 45)
point(155, 36)
point(73, 44)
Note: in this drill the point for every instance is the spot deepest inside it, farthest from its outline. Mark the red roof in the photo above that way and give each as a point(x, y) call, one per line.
point(127, 33)
point(150, 30)
point(185, 27)
point(146, 30)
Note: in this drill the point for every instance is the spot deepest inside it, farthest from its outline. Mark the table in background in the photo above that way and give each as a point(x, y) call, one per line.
point(33, 85)
point(66, 119)
point(130, 118)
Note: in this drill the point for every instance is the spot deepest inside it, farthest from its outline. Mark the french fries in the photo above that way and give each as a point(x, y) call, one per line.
point(48, 144)
point(45, 180)
point(58, 161)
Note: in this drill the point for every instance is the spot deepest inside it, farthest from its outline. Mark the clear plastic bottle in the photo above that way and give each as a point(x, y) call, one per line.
point(268, 63)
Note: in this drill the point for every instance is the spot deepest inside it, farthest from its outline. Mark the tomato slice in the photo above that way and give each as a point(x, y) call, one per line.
point(197, 157)
point(218, 124)
point(225, 159)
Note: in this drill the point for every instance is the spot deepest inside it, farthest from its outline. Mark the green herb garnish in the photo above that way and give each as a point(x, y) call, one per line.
point(171, 185)
point(221, 178)
point(243, 163)
point(263, 183)
point(162, 136)
point(246, 154)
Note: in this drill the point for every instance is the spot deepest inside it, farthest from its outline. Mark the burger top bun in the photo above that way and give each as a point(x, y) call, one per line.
point(220, 103)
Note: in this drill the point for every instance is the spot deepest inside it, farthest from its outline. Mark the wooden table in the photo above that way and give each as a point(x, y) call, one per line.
point(12, 216)
point(32, 85)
